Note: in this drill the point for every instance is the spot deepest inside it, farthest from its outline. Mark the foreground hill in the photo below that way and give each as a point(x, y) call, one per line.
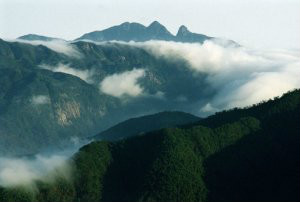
point(141, 125)
point(253, 158)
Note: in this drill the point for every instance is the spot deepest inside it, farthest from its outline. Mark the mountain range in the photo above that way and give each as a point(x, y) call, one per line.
point(133, 32)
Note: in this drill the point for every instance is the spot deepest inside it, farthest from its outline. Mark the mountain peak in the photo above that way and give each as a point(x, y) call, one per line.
point(155, 24)
point(159, 31)
point(183, 31)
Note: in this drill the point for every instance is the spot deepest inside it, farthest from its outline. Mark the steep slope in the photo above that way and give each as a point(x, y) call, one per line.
point(140, 125)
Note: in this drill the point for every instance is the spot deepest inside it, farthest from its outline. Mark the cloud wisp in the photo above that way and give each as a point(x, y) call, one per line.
point(59, 46)
point(121, 84)
point(85, 75)
point(40, 99)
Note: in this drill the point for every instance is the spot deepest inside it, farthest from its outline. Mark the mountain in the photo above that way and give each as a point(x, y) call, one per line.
point(60, 91)
point(140, 125)
point(138, 32)
point(243, 159)
point(35, 37)
point(184, 35)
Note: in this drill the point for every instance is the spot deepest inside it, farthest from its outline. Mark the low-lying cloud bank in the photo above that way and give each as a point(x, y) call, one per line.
point(85, 75)
point(59, 46)
point(240, 76)
point(125, 83)
point(237, 75)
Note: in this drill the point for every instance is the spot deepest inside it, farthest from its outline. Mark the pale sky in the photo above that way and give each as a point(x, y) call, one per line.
point(254, 23)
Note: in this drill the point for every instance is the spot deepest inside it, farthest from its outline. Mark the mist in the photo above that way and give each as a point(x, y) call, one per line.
point(24, 171)
point(45, 166)
point(85, 75)
point(59, 46)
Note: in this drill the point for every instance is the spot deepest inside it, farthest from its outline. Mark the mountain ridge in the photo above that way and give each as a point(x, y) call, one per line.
point(140, 125)
point(131, 31)
point(139, 33)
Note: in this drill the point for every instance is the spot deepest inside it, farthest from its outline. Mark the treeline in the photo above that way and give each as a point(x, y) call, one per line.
point(250, 154)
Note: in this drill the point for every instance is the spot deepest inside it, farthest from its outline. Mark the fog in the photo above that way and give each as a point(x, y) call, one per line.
point(44, 166)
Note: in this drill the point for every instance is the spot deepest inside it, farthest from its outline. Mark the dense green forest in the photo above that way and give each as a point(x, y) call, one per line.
point(249, 154)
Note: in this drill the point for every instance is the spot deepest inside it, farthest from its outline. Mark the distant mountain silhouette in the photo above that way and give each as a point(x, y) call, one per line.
point(140, 125)
point(138, 32)
point(35, 37)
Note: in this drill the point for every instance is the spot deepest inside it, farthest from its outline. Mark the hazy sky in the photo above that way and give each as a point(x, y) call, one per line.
point(256, 23)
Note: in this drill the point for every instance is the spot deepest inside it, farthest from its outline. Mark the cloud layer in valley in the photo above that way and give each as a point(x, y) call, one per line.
point(240, 76)
point(237, 75)
point(125, 83)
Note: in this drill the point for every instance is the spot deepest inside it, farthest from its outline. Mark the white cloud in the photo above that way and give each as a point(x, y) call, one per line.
point(124, 83)
point(260, 86)
point(85, 75)
point(240, 76)
point(59, 46)
point(40, 99)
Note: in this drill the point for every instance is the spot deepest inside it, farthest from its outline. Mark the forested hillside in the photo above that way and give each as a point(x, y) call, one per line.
point(252, 155)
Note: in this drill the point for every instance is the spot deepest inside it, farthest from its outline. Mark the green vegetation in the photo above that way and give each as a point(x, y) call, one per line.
point(248, 158)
